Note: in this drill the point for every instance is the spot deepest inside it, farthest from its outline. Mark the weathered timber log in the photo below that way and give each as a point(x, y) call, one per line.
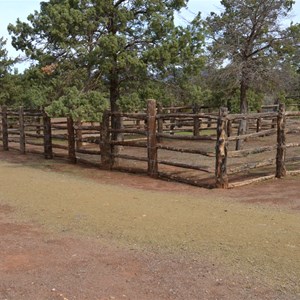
point(252, 135)
point(185, 150)
point(292, 113)
point(59, 127)
point(34, 135)
point(292, 159)
point(186, 166)
point(193, 182)
point(91, 152)
point(250, 166)
point(235, 117)
point(48, 153)
point(79, 133)
point(71, 141)
point(187, 138)
point(250, 181)
point(63, 137)
point(87, 127)
point(246, 152)
point(185, 115)
point(34, 143)
point(293, 173)
point(130, 157)
point(196, 127)
point(33, 114)
point(281, 142)
point(22, 131)
point(292, 145)
point(89, 139)
point(151, 139)
point(221, 151)
point(130, 143)
point(59, 146)
point(4, 128)
point(133, 131)
point(107, 160)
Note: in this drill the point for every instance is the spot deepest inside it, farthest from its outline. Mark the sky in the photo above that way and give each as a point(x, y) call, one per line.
point(10, 10)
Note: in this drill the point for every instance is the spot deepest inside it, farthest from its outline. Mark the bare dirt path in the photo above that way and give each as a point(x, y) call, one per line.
point(69, 232)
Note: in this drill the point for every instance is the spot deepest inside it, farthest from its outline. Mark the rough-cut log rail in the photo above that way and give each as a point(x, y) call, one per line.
point(190, 181)
point(34, 135)
point(292, 145)
point(251, 116)
point(86, 127)
point(34, 143)
point(33, 114)
point(185, 150)
point(250, 181)
point(129, 144)
point(59, 127)
point(60, 137)
point(89, 139)
point(91, 152)
point(187, 166)
point(185, 115)
point(58, 146)
point(292, 113)
point(134, 131)
point(58, 122)
point(292, 159)
point(252, 135)
point(187, 138)
point(130, 157)
point(249, 166)
point(246, 152)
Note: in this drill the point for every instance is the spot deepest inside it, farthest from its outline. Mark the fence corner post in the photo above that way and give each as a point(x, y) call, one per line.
point(281, 142)
point(221, 151)
point(71, 141)
point(48, 153)
point(4, 128)
point(151, 139)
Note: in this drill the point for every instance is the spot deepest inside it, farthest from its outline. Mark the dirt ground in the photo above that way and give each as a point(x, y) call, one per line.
point(76, 232)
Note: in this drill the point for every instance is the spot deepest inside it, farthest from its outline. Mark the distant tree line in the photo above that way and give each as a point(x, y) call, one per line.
point(90, 55)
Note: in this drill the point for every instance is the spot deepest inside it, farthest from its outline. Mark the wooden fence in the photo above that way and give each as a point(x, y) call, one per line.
point(188, 144)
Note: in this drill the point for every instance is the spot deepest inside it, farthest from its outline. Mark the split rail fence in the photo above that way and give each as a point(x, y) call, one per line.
point(195, 145)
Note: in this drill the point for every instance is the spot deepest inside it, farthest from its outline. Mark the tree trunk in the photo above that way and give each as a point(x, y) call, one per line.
point(116, 121)
point(243, 110)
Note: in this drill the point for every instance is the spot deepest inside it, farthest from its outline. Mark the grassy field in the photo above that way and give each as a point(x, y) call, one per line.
point(259, 240)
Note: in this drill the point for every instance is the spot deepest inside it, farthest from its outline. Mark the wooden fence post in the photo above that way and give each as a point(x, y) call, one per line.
point(281, 143)
point(4, 128)
point(22, 130)
point(221, 151)
point(78, 135)
point(48, 153)
point(160, 122)
point(197, 122)
point(71, 140)
point(105, 146)
point(151, 139)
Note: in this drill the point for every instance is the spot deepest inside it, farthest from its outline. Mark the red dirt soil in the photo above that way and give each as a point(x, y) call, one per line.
point(39, 264)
